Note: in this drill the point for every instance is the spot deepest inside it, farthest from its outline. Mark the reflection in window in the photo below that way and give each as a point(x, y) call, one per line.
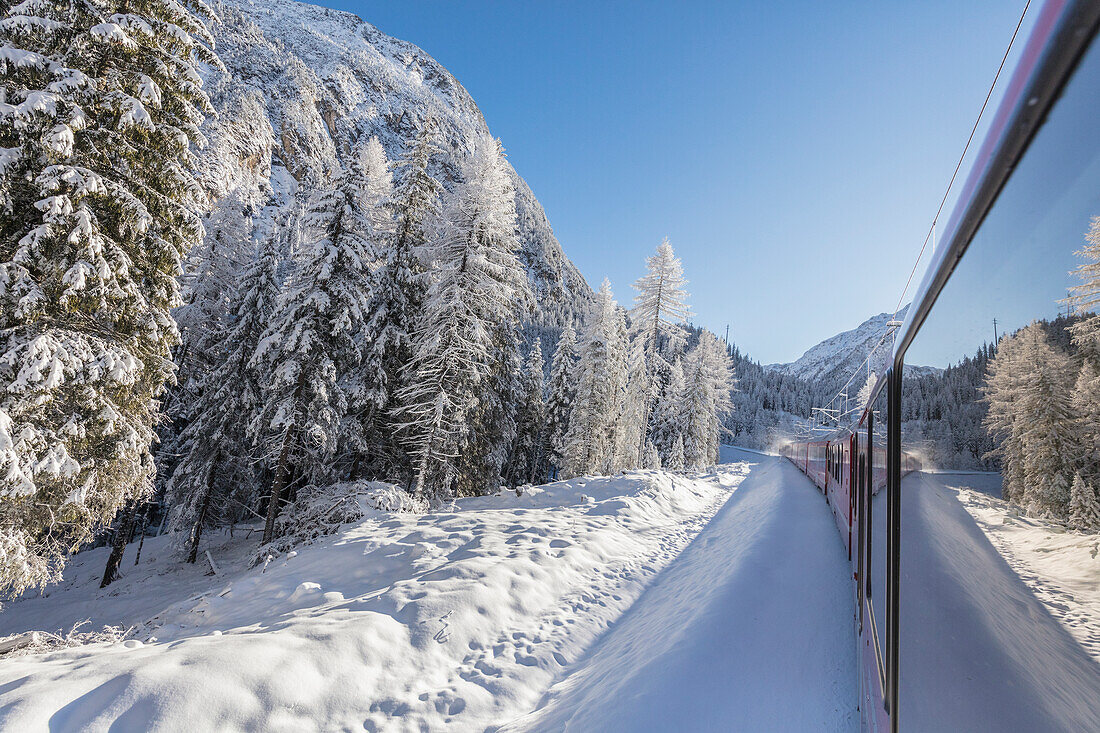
point(1043, 390)
point(1000, 581)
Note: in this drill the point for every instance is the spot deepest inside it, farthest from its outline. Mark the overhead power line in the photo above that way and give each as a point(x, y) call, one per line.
point(939, 210)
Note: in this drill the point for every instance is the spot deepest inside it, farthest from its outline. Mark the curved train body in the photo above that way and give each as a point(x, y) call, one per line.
point(851, 471)
point(977, 646)
point(842, 465)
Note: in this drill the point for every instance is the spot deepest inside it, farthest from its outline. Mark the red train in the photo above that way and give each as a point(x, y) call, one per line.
point(859, 468)
point(850, 468)
point(828, 462)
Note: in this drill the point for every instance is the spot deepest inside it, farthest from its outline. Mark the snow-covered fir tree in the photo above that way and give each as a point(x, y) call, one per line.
point(668, 418)
point(651, 458)
point(396, 298)
point(481, 466)
point(313, 343)
point(370, 218)
point(1084, 505)
point(528, 450)
point(676, 460)
point(635, 395)
point(600, 376)
point(455, 410)
point(705, 400)
point(100, 105)
point(561, 392)
point(215, 481)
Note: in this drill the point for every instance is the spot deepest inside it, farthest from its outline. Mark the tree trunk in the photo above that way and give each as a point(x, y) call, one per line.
point(144, 526)
point(196, 531)
point(110, 573)
point(282, 475)
point(536, 459)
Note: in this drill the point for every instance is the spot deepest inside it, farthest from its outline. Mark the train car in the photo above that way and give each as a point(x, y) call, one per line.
point(974, 647)
point(841, 465)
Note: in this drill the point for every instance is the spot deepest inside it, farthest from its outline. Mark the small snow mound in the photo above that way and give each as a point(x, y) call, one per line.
point(304, 591)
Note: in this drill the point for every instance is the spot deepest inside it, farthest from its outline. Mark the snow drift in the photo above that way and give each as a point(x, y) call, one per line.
point(462, 617)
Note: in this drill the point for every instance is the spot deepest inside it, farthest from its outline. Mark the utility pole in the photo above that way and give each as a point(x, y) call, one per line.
point(727, 334)
point(994, 331)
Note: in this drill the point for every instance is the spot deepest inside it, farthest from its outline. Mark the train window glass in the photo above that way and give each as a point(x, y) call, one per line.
point(860, 518)
point(1000, 607)
point(878, 551)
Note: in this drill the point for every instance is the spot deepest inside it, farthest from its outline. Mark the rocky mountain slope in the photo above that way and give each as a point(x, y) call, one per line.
point(305, 83)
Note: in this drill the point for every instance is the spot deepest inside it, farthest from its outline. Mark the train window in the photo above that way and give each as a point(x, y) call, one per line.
point(999, 601)
point(877, 554)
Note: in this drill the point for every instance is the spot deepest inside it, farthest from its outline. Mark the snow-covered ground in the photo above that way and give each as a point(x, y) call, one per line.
point(749, 629)
point(1061, 567)
point(463, 617)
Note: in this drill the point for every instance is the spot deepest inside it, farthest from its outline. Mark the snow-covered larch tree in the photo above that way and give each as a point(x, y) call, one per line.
point(660, 307)
point(864, 395)
point(1004, 384)
point(1048, 438)
point(561, 392)
point(209, 281)
point(100, 105)
point(660, 310)
point(1086, 408)
point(1085, 298)
point(465, 344)
point(313, 342)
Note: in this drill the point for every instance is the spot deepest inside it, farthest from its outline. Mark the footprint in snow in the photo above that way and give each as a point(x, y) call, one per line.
point(442, 636)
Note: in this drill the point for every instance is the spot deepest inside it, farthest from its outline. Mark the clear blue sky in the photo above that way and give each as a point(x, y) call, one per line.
point(789, 150)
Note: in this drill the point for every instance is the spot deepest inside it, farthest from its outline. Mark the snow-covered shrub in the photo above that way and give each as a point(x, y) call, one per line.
point(41, 642)
point(320, 511)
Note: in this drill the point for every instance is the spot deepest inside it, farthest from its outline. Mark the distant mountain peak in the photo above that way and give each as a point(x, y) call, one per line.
point(841, 354)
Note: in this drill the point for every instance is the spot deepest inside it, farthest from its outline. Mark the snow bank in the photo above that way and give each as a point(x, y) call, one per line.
point(461, 617)
point(1060, 566)
point(748, 629)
